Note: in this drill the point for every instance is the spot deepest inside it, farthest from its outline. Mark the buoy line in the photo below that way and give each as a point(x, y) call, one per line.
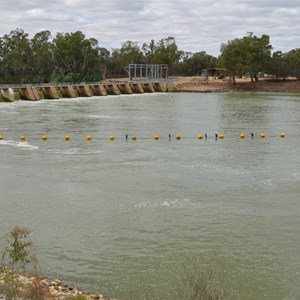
point(157, 137)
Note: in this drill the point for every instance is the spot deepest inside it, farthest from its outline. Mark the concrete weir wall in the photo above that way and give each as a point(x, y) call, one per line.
point(84, 91)
point(113, 89)
point(7, 95)
point(68, 91)
point(148, 88)
point(137, 88)
point(29, 93)
point(125, 88)
point(35, 93)
point(50, 92)
point(99, 90)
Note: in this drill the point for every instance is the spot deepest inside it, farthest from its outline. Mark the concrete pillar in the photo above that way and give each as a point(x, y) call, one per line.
point(84, 91)
point(29, 93)
point(8, 95)
point(148, 88)
point(50, 92)
point(137, 88)
point(112, 89)
point(68, 91)
point(160, 87)
point(125, 88)
point(36, 93)
point(99, 90)
point(170, 87)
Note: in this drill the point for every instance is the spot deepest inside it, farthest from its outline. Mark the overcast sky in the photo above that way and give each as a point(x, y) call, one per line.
point(196, 25)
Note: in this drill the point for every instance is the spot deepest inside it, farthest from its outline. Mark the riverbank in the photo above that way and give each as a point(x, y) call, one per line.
point(196, 84)
point(37, 287)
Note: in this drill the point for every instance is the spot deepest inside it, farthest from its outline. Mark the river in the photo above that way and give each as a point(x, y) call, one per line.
point(143, 219)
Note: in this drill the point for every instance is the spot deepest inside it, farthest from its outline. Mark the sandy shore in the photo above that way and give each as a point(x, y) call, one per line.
point(196, 84)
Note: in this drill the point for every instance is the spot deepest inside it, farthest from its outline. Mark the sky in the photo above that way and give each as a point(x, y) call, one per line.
point(196, 25)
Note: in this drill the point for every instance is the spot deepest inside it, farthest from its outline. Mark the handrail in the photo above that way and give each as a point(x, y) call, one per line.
point(61, 84)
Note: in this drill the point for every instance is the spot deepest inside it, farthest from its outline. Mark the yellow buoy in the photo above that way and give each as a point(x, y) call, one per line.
point(282, 135)
point(200, 137)
point(262, 135)
point(44, 138)
point(242, 135)
point(178, 137)
point(89, 138)
point(156, 137)
point(67, 138)
point(23, 138)
point(112, 137)
point(133, 137)
point(221, 136)
point(1, 138)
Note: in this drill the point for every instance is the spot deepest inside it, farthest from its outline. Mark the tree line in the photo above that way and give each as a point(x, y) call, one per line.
point(72, 57)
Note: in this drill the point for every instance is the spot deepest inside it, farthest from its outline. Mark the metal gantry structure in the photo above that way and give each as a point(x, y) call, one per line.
point(148, 72)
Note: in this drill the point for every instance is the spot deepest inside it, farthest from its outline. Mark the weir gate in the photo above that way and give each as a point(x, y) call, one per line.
point(143, 78)
point(12, 92)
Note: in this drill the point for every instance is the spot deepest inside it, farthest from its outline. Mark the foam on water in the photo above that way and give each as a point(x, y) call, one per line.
point(171, 203)
point(73, 151)
point(18, 144)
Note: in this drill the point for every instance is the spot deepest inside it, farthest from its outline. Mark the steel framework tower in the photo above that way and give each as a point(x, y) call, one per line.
point(147, 72)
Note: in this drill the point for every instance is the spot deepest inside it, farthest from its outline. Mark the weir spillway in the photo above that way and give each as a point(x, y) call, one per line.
point(36, 92)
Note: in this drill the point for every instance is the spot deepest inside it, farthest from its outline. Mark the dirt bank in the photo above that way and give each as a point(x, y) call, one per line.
point(195, 84)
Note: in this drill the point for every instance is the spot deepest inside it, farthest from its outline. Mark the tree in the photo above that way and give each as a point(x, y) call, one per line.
point(16, 55)
point(149, 50)
point(192, 64)
point(42, 48)
point(76, 56)
point(105, 58)
point(293, 62)
point(278, 65)
point(233, 58)
point(166, 52)
point(129, 53)
point(258, 54)
point(249, 54)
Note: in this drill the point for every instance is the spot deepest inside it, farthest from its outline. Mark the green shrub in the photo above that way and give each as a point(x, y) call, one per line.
point(17, 251)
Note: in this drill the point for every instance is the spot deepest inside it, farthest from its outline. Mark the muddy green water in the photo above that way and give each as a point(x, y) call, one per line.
point(135, 219)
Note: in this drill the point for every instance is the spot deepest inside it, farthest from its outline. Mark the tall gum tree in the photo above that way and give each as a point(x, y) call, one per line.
point(42, 48)
point(77, 56)
point(249, 54)
point(17, 56)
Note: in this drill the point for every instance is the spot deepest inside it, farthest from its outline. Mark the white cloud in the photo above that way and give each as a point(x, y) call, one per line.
point(196, 24)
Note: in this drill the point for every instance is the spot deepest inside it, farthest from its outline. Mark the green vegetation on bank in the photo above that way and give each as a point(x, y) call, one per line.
point(19, 275)
point(72, 57)
point(199, 278)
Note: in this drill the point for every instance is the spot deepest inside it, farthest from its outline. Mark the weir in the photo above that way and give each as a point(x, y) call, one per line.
point(84, 91)
point(10, 93)
point(148, 88)
point(160, 87)
point(7, 94)
point(50, 92)
point(68, 91)
point(137, 88)
point(29, 93)
point(125, 88)
point(112, 89)
point(143, 78)
point(99, 90)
